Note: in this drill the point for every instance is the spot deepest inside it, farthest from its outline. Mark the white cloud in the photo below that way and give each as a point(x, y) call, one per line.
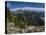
point(28, 8)
point(8, 5)
point(14, 9)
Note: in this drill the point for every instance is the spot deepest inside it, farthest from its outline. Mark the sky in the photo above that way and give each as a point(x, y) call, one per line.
point(12, 5)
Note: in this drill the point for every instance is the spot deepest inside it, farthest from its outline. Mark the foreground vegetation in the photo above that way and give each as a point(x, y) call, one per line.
point(24, 21)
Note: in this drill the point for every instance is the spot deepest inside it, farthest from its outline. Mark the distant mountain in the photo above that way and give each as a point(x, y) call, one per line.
point(28, 8)
point(20, 11)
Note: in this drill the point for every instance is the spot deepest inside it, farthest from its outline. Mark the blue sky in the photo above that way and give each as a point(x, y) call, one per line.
point(13, 5)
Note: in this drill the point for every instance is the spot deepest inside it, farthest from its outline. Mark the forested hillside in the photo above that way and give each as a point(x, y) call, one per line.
point(24, 19)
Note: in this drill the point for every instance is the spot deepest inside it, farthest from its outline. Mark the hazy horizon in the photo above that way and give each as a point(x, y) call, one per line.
point(25, 5)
